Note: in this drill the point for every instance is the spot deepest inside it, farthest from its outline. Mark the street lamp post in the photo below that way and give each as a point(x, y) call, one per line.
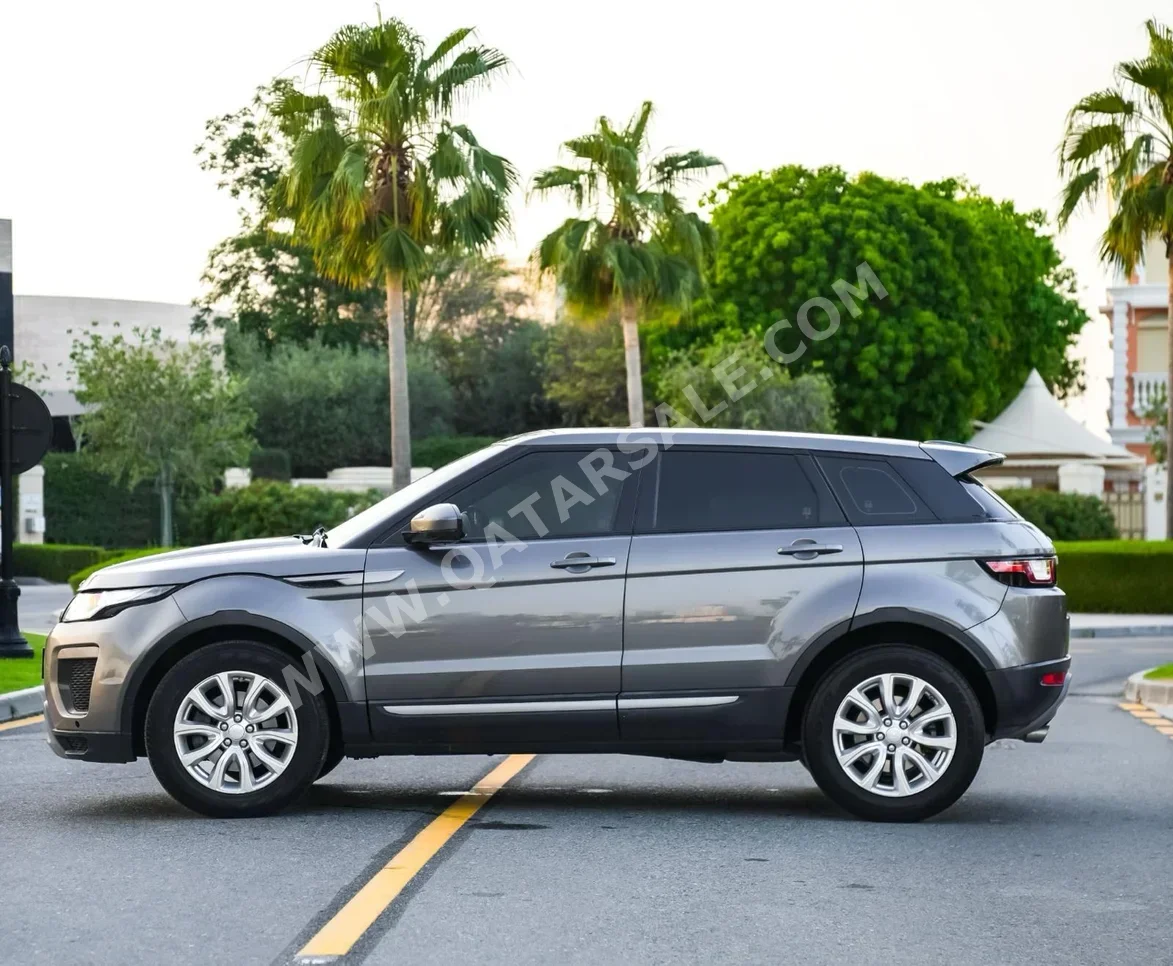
point(12, 641)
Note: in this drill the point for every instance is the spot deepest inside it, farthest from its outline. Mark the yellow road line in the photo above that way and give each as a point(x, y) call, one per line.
point(21, 722)
point(346, 928)
point(1133, 707)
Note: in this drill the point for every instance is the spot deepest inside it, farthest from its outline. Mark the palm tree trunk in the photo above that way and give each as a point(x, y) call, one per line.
point(166, 494)
point(397, 363)
point(629, 317)
point(1169, 410)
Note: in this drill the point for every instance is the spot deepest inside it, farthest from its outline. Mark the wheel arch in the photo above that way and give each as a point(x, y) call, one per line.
point(946, 642)
point(235, 625)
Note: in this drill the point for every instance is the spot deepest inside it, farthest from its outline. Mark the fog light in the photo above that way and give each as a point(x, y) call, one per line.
point(1053, 679)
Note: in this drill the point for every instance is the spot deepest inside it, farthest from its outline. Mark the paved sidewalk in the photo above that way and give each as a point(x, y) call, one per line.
point(1122, 625)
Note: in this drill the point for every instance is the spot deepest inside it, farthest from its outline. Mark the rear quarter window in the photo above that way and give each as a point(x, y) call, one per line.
point(873, 493)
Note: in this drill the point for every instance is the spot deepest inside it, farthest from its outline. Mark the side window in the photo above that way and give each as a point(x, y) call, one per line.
point(945, 496)
point(547, 495)
point(729, 490)
point(873, 493)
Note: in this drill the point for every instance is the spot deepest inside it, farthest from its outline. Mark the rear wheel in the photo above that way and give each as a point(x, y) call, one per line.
point(226, 738)
point(893, 733)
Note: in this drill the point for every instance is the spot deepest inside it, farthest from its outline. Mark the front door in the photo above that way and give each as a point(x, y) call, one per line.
point(514, 634)
point(740, 559)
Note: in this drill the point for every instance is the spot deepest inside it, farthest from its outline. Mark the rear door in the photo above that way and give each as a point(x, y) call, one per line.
point(739, 560)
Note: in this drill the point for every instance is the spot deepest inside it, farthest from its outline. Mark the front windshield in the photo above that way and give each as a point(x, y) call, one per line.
point(388, 509)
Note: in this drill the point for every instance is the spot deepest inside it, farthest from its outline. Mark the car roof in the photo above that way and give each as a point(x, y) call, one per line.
point(873, 445)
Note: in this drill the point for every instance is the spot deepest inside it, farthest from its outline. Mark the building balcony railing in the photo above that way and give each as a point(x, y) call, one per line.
point(1146, 390)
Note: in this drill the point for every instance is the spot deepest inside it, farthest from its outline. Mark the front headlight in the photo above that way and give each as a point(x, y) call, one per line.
point(98, 604)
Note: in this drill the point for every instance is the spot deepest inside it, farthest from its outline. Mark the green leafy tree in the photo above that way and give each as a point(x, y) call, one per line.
point(648, 254)
point(976, 294)
point(580, 363)
point(160, 411)
point(318, 403)
point(1120, 140)
point(380, 178)
point(260, 281)
point(736, 385)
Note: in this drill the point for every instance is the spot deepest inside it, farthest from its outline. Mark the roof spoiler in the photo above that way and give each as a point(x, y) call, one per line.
point(958, 459)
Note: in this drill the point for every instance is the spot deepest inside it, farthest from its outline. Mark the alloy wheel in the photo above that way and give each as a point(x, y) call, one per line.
point(235, 732)
point(894, 734)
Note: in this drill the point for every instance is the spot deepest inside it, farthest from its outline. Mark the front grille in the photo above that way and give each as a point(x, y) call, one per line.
point(75, 676)
point(73, 743)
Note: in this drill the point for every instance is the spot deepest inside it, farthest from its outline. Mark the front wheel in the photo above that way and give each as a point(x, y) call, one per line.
point(893, 734)
point(227, 739)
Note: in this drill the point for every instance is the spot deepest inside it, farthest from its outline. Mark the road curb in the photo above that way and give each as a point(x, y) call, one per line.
point(1140, 630)
point(21, 704)
point(1156, 694)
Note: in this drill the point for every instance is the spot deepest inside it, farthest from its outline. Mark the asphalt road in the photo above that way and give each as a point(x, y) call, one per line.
point(1059, 853)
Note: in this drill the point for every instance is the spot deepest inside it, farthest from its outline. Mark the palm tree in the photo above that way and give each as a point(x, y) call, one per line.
point(649, 253)
point(1120, 140)
point(380, 180)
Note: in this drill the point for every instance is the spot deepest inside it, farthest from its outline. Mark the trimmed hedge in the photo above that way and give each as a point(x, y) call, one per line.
point(436, 451)
point(53, 561)
point(270, 464)
point(1064, 516)
point(83, 506)
point(271, 509)
point(1117, 576)
point(113, 557)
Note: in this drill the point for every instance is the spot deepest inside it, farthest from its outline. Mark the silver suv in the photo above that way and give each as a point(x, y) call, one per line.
point(864, 606)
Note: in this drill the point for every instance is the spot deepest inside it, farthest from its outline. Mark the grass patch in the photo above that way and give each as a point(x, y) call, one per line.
point(18, 673)
point(1164, 671)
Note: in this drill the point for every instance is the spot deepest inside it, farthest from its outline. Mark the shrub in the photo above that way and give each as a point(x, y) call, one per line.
point(53, 561)
point(270, 464)
point(772, 400)
point(113, 557)
point(83, 506)
point(271, 509)
point(1117, 576)
point(435, 451)
point(330, 406)
point(1064, 516)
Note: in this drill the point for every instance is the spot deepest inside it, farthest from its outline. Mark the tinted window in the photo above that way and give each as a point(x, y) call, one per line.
point(724, 490)
point(939, 491)
point(995, 507)
point(546, 495)
point(872, 492)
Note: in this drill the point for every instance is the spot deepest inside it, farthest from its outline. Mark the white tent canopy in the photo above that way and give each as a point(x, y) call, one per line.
point(1035, 428)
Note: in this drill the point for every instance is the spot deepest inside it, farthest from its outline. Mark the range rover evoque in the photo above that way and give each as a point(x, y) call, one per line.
point(864, 606)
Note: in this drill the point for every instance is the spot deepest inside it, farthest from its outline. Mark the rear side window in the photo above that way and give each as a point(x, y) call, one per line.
point(994, 506)
point(729, 490)
point(872, 492)
point(939, 491)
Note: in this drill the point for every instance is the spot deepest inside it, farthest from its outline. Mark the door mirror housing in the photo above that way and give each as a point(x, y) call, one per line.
point(439, 523)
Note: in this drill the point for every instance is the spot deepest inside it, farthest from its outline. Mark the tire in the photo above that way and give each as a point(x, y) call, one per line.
point(883, 790)
point(332, 760)
point(221, 788)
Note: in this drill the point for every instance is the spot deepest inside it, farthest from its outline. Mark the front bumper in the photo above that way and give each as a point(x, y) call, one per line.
point(88, 709)
point(1023, 703)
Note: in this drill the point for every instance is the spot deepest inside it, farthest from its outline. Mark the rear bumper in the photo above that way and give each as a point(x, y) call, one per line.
point(1023, 704)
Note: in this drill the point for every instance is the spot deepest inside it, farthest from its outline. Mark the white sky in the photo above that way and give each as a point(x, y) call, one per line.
point(104, 102)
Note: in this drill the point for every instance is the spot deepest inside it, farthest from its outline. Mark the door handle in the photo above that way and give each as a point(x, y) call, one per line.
point(815, 549)
point(582, 560)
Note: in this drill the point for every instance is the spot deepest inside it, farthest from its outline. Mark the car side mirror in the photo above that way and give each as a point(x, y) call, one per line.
point(439, 523)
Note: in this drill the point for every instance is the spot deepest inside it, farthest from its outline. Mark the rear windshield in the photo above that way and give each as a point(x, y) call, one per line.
point(996, 508)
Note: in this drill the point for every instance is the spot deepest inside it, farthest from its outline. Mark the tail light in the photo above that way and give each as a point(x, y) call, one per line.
point(1030, 572)
point(1053, 679)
